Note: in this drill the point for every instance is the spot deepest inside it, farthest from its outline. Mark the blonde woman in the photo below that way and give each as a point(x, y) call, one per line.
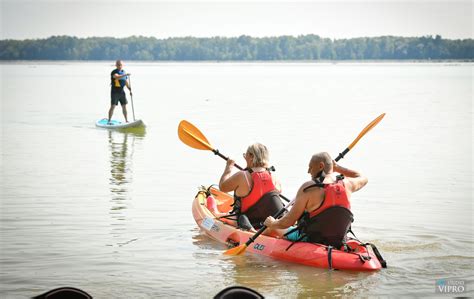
point(255, 189)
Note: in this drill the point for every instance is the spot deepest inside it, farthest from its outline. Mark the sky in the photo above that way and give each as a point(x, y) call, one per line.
point(335, 19)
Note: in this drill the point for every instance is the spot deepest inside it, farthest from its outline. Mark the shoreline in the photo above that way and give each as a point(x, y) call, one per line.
point(450, 61)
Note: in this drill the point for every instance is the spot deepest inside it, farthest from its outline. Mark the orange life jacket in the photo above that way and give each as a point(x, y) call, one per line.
point(334, 195)
point(262, 183)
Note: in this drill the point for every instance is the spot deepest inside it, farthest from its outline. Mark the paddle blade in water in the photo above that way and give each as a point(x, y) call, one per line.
point(191, 136)
point(236, 250)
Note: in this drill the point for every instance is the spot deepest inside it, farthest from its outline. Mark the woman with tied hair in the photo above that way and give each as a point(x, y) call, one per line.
point(256, 191)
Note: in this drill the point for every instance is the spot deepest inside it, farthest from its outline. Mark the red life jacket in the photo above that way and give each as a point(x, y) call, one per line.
point(334, 195)
point(262, 183)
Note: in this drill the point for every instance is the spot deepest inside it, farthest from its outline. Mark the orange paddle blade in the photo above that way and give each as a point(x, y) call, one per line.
point(366, 129)
point(191, 136)
point(238, 250)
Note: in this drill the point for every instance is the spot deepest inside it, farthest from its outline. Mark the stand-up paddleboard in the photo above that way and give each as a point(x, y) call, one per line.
point(115, 124)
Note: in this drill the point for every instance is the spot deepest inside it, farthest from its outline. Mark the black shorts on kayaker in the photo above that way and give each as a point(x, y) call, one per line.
point(115, 98)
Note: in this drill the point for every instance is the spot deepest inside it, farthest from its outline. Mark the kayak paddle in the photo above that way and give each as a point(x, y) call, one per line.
point(238, 250)
point(191, 136)
point(361, 134)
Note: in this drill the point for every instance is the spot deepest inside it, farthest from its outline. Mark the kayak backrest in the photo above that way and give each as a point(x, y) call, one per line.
point(268, 205)
point(329, 227)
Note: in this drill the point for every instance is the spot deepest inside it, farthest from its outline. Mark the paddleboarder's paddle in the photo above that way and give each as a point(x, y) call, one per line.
point(191, 136)
point(131, 95)
point(241, 248)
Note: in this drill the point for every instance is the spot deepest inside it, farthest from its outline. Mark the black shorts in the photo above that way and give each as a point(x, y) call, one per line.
point(115, 98)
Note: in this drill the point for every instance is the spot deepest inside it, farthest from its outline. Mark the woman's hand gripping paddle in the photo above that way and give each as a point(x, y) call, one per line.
point(241, 248)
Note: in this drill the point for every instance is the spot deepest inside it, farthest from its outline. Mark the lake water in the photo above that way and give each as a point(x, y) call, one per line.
point(110, 212)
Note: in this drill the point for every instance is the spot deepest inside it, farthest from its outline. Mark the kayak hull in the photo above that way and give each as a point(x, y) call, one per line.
point(310, 254)
point(115, 124)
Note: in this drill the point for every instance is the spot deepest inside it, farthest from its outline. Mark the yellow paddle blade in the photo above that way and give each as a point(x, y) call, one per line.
point(191, 136)
point(238, 250)
point(366, 129)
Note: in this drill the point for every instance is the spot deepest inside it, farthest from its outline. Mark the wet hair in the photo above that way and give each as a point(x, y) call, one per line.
point(259, 153)
point(323, 157)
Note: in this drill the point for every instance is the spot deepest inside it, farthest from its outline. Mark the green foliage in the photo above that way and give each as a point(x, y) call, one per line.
point(243, 48)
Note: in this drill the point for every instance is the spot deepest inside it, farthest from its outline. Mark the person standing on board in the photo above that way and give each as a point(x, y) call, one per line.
point(117, 94)
point(322, 206)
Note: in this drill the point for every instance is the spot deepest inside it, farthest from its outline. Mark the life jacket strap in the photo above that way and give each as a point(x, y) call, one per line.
point(271, 168)
point(320, 179)
point(320, 185)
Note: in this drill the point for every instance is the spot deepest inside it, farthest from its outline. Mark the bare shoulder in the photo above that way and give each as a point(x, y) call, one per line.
point(239, 176)
point(244, 177)
point(306, 184)
point(232, 183)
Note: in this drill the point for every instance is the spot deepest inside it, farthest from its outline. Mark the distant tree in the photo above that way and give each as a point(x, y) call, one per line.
point(242, 48)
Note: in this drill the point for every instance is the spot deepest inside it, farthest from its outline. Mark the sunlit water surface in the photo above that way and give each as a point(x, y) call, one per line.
point(110, 212)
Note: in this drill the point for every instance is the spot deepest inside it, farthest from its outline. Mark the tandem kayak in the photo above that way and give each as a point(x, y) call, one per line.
point(361, 257)
point(115, 124)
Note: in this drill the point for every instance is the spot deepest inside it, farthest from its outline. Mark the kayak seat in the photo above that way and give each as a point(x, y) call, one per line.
point(329, 227)
point(268, 205)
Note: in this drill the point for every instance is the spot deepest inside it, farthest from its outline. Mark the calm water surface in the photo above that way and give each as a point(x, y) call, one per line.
point(110, 212)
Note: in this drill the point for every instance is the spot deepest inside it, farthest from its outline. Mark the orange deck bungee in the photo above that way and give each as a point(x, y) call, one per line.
point(316, 255)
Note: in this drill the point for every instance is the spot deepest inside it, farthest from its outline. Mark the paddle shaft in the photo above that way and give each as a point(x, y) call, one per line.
point(264, 227)
point(216, 152)
point(131, 96)
point(341, 155)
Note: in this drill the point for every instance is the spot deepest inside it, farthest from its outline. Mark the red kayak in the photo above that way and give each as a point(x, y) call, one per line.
point(361, 257)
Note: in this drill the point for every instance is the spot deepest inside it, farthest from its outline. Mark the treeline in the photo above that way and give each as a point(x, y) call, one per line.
point(243, 48)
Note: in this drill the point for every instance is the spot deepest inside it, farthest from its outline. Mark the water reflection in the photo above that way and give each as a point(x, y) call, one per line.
point(272, 278)
point(122, 148)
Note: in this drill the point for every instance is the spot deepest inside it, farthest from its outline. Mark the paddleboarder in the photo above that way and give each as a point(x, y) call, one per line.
point(117, 94)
